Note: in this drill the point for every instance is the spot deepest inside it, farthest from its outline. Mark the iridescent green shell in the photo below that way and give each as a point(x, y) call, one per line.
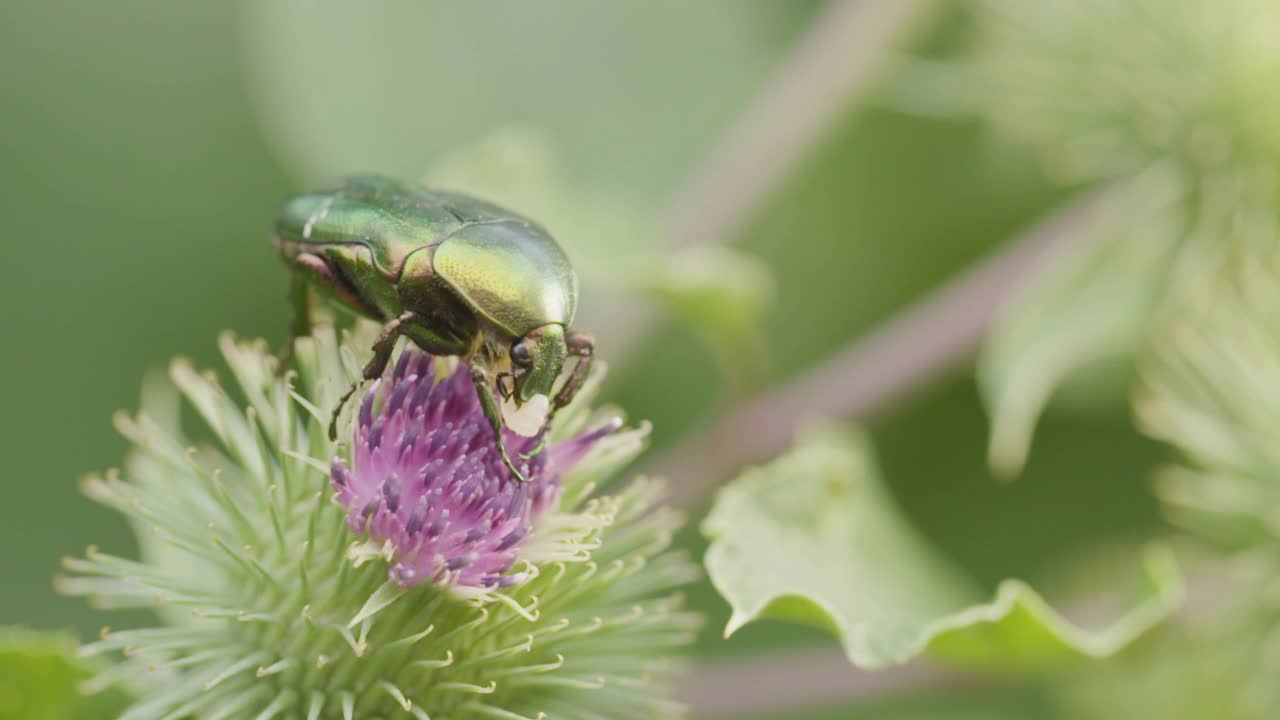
point(514, 274)
point(502, 265)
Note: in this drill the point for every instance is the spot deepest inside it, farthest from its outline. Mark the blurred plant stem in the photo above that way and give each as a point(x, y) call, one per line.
point(922, 342)
point(837, 60)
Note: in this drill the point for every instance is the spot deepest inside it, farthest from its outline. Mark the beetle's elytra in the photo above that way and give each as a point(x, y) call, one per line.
point(454, 274)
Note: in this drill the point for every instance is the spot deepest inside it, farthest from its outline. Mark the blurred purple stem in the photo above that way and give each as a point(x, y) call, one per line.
point(837, 60)
point(923, 342)
point(800, 680)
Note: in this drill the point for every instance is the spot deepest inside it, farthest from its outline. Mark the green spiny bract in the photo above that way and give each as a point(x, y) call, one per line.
point(271, 607)
point(1210, 387)
point(1173, 106)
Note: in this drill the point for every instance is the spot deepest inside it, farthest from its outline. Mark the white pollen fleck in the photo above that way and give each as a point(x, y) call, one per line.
point(528, 420)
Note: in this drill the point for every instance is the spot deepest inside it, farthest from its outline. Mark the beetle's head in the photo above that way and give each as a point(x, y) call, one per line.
point(538, 358)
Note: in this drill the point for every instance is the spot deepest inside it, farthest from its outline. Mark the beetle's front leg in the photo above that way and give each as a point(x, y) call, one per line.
point(480, 378)
point(582, 346)
point(377, 365)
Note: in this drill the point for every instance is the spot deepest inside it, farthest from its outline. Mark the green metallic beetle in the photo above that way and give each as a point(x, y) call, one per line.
point(454, 274)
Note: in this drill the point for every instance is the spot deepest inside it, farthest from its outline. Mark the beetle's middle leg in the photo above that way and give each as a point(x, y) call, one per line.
point(311, 269)
point(300, 323)
point(377, 365)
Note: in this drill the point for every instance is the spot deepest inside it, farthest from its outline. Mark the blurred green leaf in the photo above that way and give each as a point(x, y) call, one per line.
point(40, 677)
point(132, 164)
point(814, 537)
point(522, 168)
point(1180, 674)
point(723, 294)
point(1090, 301)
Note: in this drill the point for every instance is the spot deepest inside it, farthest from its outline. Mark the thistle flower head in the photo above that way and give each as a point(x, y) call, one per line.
point(1107, 88)
point(400, 573)
point(1211, 389)
point(428, 478)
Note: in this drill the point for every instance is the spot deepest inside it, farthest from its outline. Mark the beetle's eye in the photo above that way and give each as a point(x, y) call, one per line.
point(520, 354)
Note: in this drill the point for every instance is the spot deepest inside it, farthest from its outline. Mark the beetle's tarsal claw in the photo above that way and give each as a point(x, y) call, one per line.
point(337, 411)
point(506, 459)
point(537, 449)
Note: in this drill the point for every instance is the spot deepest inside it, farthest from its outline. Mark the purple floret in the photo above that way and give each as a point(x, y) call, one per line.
point(428, 478)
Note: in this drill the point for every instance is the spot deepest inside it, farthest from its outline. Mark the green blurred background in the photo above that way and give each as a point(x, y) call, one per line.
point(144, 147)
